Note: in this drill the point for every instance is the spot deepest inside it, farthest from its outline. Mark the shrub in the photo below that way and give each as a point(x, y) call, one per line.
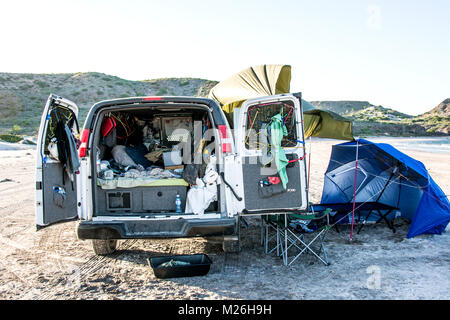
point(26, 122)
point(16, 129)
point(184, 83)
point(161, 92)
point(12, 138)
point(41, 84)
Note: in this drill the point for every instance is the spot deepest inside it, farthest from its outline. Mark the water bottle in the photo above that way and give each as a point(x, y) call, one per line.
point(178, 204)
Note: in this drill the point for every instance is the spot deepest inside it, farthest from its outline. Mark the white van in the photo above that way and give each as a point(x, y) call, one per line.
point(122, 206)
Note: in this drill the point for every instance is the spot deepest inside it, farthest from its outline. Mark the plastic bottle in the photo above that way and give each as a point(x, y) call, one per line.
point(178, 204)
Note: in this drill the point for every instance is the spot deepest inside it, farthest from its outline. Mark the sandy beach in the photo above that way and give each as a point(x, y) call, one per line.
point(53, 264)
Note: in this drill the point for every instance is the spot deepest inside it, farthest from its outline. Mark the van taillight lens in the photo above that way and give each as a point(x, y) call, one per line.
point(83, 143)
point(225, 138)
point(151, 98)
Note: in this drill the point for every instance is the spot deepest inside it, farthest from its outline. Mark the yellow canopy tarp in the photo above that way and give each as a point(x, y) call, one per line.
point(271, 79)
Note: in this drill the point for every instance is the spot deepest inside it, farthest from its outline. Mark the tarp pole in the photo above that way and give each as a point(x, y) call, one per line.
point(354, 190)
point(309, 161)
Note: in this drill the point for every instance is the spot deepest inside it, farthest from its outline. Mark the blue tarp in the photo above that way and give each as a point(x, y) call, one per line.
point(406, 182)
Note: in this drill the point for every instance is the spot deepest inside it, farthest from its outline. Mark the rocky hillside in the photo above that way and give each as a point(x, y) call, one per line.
point(369, 119)
point(437, 120)
point(442, 110)
point(360, 110)
point(342, 108)
point(22, 96)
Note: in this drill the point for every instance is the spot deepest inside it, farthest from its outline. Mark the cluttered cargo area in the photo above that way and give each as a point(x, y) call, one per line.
point(155, 160)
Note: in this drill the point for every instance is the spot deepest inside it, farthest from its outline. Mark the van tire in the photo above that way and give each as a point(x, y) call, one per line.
point(231, 246)
point(104, 247)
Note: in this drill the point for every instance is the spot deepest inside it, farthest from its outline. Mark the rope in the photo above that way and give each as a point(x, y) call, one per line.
point(287, 117)
point(126, 127)
point(381, 177)
point(414, 185)
point(252, 122)
point(379, 192)
point(403, 184)
point(425, 191)
point(290, 161)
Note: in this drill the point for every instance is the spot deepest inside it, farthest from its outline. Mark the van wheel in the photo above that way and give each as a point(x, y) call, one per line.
point(104, 247)
point(231, 246)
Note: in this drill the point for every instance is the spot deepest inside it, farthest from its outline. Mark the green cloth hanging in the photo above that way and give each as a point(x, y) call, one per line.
point(278, 131)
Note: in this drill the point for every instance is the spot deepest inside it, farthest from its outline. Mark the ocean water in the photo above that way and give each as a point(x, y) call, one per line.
point(424, 144)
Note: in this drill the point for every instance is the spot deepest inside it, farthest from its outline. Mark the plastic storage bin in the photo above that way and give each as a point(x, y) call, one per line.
point(172, 158)
point(198, 265)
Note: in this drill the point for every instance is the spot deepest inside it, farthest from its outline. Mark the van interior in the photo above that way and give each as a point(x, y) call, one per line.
point(147, 160)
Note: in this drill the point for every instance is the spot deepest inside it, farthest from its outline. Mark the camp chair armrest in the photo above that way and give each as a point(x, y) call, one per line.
point(315, 216)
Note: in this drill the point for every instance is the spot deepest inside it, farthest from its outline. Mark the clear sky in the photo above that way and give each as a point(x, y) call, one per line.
point(391, 53)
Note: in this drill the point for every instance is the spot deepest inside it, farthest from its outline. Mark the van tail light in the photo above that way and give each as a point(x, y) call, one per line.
point(152, 98)
point(225, 138)
point(83, 143)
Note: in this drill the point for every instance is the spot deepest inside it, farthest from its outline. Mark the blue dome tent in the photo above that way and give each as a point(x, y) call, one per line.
point(389, 177)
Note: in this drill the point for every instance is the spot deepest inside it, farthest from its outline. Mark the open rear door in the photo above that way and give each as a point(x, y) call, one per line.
point(57, 164)
point(254, 131)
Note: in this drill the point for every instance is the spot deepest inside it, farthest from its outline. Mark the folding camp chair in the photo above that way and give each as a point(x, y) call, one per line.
point(270, 232)
point(288, 234)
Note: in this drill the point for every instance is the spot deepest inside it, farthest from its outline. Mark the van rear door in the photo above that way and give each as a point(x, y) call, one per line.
point(56, 184)
point(263, 190)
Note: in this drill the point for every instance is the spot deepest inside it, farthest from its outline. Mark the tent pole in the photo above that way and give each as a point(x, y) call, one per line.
point(376, 201)
point(354, 190)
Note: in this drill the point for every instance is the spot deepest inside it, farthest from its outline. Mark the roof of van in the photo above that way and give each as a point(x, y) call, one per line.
point(134, 101)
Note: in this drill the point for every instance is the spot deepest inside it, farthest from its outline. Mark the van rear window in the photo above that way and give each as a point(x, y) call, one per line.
point(64, 114)
point(258, 122)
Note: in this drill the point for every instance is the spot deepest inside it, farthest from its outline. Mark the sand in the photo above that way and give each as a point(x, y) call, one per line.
point(53, 264)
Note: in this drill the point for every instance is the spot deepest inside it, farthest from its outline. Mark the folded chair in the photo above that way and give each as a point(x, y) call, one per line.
point(291, 235)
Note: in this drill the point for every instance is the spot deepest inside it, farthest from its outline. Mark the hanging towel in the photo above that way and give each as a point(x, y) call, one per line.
point(278, 131)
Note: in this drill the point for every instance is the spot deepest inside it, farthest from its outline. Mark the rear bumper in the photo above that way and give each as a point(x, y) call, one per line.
point(148, 229)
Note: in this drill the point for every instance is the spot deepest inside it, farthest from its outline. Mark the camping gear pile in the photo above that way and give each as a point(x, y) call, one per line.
point(144, 153)
point(133, 149)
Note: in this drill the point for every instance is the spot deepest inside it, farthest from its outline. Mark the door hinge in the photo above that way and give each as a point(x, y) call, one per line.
point(38, 185)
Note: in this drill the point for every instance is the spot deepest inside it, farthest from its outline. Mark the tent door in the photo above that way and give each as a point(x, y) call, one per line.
point(56, 191)
point(263, 191)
